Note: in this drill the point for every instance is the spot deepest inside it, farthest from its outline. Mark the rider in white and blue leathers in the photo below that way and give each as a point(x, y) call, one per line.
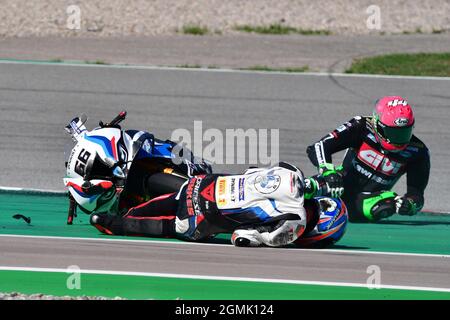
point(259, 207)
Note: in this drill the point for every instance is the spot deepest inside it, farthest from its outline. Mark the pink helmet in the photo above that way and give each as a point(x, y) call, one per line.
point(393, 121)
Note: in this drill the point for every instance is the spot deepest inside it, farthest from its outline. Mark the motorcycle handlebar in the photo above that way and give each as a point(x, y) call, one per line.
point(114, 122)
point(119, 118)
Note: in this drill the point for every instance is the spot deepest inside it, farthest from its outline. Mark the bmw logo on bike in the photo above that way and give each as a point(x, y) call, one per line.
point(268, 183)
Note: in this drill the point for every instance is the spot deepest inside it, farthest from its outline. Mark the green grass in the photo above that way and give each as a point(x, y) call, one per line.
point(279, 29)
point(195, 30)
point(251, 68)
point(418, 30)
point(419, 64)
point(437, 31)
point(195, 66)
point(95, 62)
point(270, 69)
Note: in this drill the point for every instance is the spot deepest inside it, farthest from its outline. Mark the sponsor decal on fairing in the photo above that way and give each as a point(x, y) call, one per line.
point(267, 183)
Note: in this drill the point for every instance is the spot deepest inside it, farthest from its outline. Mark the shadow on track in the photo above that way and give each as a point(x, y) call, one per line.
point(341, 247)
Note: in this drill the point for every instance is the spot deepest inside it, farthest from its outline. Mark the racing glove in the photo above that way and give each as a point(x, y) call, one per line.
point(405, 206)
point(333, 179)
point(315, 186)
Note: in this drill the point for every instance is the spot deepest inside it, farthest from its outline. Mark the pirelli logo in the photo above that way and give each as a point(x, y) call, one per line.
point(222, 187)
point(221, 192)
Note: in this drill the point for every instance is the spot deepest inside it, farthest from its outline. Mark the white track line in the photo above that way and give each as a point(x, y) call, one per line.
point(150, 67)
point(149, 242)
point(218, 278)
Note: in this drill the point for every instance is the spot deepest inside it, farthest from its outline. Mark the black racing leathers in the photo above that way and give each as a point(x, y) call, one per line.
point(368, 168)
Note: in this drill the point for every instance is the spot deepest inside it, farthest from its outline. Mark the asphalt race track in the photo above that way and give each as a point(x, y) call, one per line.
point(226, 260)
point(37, 100)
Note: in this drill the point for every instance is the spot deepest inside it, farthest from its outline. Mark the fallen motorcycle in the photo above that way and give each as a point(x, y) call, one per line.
point(138, 167)
point(137, 164)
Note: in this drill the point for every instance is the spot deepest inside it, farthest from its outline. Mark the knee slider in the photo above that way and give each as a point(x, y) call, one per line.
point(378, 205)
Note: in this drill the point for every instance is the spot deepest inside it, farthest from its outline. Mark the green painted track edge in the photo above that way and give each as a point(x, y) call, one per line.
point(82, 228)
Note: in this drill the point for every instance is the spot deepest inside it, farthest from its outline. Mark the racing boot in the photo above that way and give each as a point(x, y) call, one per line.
point(246, 238)
point(108, 223)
